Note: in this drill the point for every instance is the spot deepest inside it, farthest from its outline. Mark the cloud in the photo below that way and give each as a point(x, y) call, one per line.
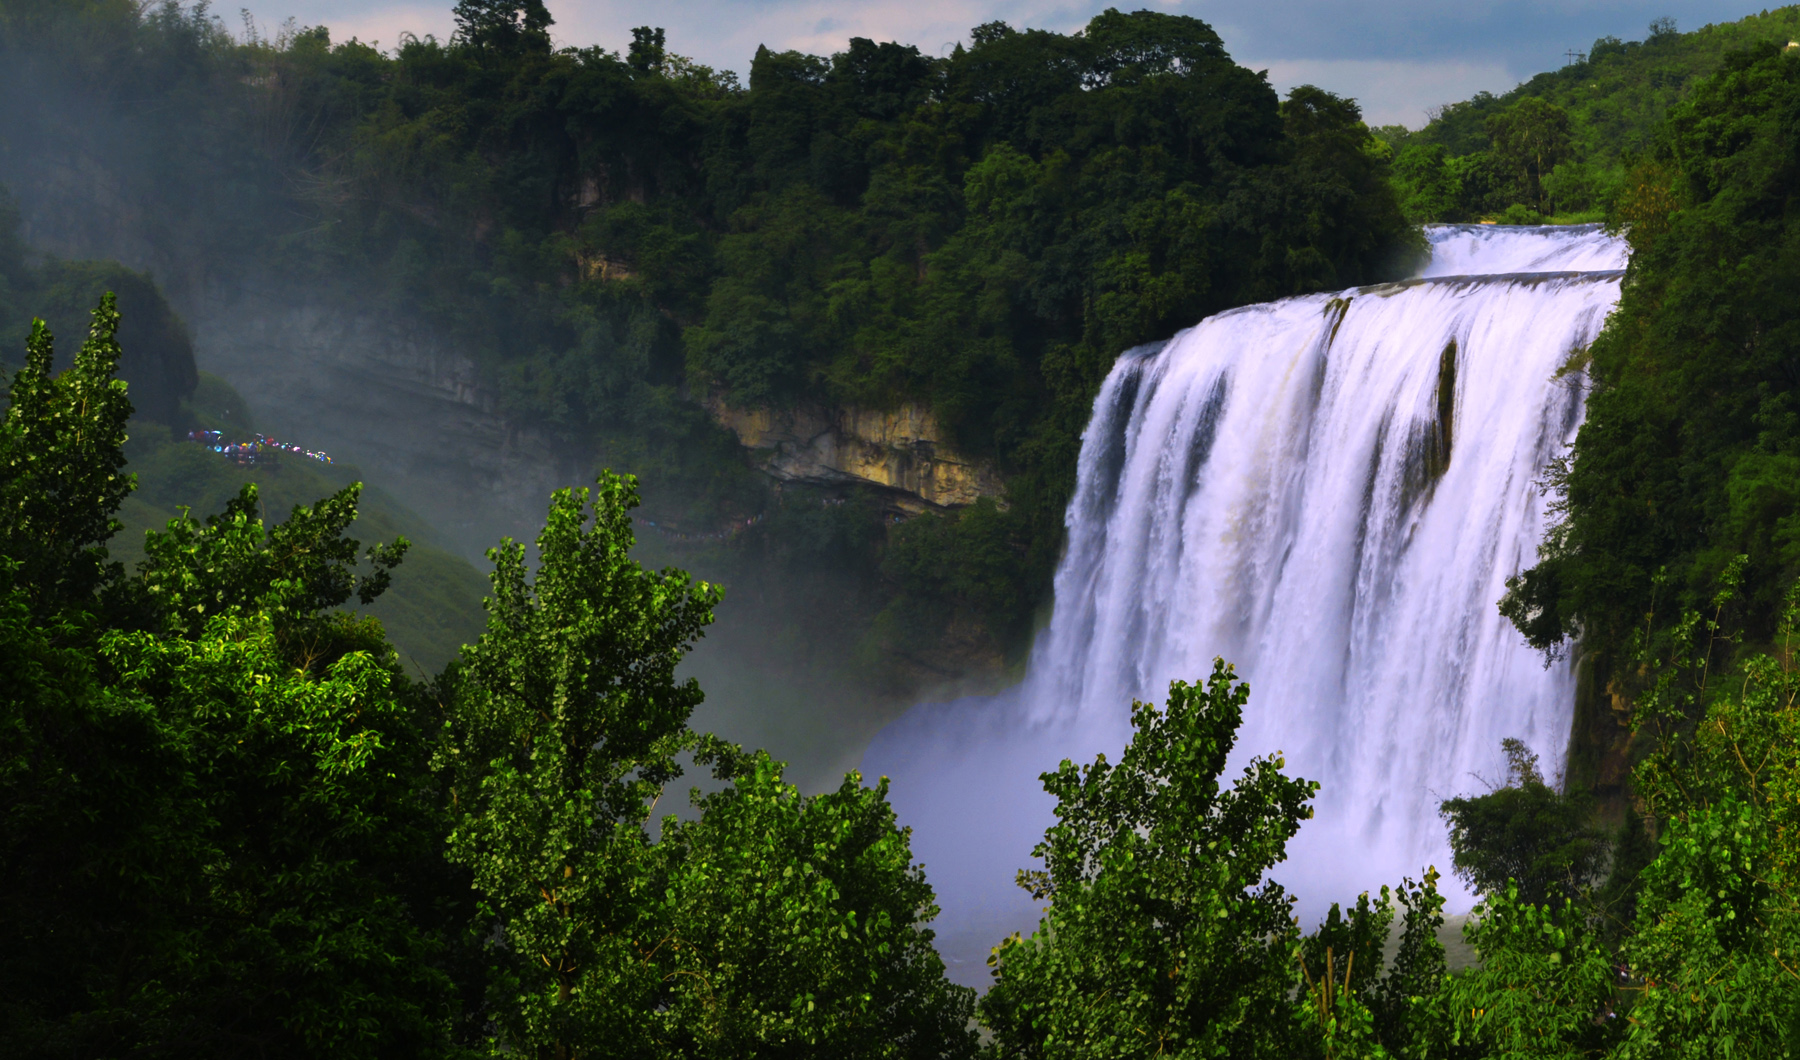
point(1392, 92)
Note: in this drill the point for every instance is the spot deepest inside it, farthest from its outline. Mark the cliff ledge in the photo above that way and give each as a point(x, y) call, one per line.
point(901, 452)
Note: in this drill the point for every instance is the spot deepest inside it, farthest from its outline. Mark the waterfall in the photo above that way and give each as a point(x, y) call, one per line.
point(1330, 492)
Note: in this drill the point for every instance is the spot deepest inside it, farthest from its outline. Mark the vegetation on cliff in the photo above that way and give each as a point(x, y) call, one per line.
point(613, 233)
point(1691, 447)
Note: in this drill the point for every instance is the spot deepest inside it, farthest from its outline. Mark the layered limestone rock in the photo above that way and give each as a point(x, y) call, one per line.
point(900, 451)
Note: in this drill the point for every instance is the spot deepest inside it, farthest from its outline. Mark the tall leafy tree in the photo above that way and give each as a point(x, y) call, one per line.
point(62, 465)
point(1163, 935)
point(797, 926)
point(566, 722)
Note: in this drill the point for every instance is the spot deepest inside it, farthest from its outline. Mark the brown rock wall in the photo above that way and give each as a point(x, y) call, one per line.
point(900, 451)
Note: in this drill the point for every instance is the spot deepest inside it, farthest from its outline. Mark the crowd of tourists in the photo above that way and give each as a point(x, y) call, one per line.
point(248, 454)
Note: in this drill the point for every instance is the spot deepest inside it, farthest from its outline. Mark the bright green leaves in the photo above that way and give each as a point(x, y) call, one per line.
point(1162, 934)
point(60, 465)
point(1714, 950)
point(1546, 987)
point(295, 572)
point(796, 926)
point(773, 922)
point(566, 719)
point(582, 657)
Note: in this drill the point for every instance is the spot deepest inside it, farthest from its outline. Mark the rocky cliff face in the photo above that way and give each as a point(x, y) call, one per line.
point(902, 453)
point(399, 402)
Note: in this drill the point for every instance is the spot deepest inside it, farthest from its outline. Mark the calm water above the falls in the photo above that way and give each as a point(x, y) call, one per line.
point(1328, 491)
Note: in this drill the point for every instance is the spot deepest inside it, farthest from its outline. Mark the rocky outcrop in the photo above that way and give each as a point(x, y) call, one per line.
point(900, 452)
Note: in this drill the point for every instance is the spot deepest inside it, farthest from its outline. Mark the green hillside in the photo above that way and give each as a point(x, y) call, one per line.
point(434, 606)
point(1563, 145)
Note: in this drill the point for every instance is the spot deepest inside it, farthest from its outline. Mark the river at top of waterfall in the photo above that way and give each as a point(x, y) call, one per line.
point(1330, 492)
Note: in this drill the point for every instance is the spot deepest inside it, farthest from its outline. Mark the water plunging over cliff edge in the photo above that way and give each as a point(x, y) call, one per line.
point(1330, 492)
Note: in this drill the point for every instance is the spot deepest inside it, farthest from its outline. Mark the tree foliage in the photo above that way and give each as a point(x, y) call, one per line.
point(566, 721)
point(61, 467)
point(1162, 934)
point(1567, 143)
point(1525, 833)
point(796, 926)
point(233, 827)
point(979, 233)
point(1691, 442)
point(215, 834)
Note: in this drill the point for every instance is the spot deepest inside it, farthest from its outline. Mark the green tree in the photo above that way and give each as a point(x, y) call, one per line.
point(771, 923)
point(1546, 987)
point(219, 832)
point(1162, 934)
point(1428, 187)
point(566, 720)
point(61, 465)
point(1526, 832)
point(503, 25)
point(1532, 136)
point(1716, 921)
point(796, 926)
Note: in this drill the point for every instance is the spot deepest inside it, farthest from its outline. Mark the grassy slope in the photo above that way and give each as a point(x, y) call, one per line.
point(434, 606)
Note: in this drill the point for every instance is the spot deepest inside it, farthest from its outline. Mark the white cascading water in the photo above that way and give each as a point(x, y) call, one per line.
point(1329, 492)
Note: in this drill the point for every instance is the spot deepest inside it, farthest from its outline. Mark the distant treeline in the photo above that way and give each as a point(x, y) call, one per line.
point(1567, 144)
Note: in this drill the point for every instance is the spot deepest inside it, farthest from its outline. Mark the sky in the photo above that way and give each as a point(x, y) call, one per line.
point(1397, 57)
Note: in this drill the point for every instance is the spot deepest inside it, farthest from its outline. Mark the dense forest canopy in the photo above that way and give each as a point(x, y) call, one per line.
point(621, 236)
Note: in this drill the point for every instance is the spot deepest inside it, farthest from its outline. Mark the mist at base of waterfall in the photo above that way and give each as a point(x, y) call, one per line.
point(1329, 492)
